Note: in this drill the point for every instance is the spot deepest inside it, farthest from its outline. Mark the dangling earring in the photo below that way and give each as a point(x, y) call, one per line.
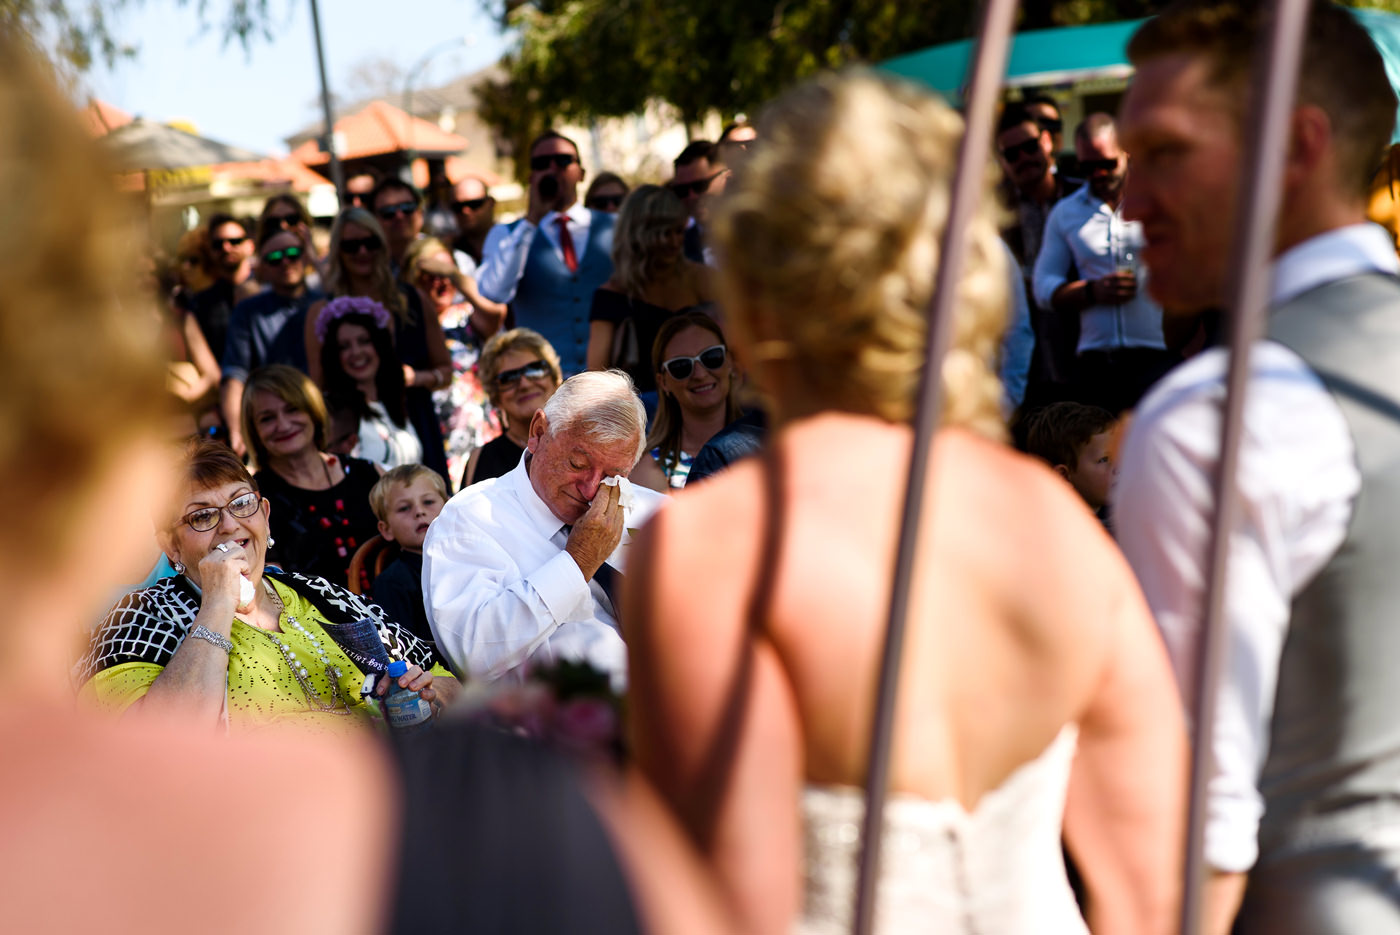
point(178, 566)
point(271, 542)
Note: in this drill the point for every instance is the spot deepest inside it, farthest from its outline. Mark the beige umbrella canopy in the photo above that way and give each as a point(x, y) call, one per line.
point(143, 145)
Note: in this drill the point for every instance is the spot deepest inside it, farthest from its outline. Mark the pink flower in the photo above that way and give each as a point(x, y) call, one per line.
point(585, 724)
point(351, 305)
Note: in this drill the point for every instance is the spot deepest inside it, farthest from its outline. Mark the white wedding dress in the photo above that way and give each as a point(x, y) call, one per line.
point(996, 870)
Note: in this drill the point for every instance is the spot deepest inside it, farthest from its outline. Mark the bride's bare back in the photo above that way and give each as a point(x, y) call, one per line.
point(1024, 618)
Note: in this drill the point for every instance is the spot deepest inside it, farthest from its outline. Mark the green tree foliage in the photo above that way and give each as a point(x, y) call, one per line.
point(74, 35)
point(597, 58)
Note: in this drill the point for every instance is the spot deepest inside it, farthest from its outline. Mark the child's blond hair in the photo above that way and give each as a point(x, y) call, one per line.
point(404, 474)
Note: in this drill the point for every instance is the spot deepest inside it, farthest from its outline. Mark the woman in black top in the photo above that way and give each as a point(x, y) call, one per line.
point(520, 371)
point(651, 282)
point(320, 502)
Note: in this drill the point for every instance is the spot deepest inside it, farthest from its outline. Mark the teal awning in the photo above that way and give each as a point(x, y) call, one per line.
point(1076, 53)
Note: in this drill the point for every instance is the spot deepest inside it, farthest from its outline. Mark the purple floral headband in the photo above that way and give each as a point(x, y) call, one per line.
point(351, 305)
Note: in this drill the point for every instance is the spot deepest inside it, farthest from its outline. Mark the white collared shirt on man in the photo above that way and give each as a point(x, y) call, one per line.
point(507, 248)
point(1297, 481)
point(499, 589)
point(1085, 235)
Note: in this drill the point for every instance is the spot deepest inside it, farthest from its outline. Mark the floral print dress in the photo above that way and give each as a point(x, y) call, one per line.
point(467, 418)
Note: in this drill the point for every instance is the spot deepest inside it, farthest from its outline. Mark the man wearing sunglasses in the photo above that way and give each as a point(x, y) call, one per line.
point(1031, 189)
point(476, 215)
point(268, 328)
point(548, 264)
point(231, 247)
point(1089, 268)
point(700, 175)
point(526, 566)
point(399, 207)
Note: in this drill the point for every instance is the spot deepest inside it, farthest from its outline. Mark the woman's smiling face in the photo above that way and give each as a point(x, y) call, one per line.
point(358, 356)
point(703, 389)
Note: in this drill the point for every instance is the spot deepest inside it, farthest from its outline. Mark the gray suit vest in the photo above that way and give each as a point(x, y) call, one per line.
point(1329, 841)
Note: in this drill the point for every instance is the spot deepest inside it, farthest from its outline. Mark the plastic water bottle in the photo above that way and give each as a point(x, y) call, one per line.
point(404, 711)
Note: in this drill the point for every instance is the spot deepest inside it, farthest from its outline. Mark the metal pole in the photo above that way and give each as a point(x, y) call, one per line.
point(1274, 89)
point(337, 173)
point(410, 153)
point(988, 68)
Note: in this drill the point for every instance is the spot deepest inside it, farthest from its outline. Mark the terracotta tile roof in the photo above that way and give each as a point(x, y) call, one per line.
point(101, 117)
point(271, 170)
point(383, 128)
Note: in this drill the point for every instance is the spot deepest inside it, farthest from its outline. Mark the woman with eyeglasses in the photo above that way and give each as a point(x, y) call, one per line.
point(651, 282)
point(320, 501)
point(359, 267)
point(606, 193)
point(520, 371)
point(698, 395)
point(468, 318)
point(1036, 700)
point(228, 639)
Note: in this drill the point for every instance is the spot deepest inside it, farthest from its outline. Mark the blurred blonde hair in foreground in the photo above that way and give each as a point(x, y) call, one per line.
point(828, 237)
point(80, 368)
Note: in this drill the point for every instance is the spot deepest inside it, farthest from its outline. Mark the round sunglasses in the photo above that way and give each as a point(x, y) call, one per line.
point(711, 358)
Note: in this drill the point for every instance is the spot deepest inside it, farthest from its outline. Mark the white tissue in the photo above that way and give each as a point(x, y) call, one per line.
point(625, 497)
point(245, 591)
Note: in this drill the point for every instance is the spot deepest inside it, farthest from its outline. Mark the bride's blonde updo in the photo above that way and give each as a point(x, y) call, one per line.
point(828, 238)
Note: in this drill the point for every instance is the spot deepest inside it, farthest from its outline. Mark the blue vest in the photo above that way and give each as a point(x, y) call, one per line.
point(555, 302)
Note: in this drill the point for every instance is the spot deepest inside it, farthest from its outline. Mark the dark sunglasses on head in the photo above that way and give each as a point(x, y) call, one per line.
point(472, 204)
point(697, 187)
point(275, 257)
point(606, 202)
point(283, 221)
point(557, 160)
point(535, 370)
point(404, 208)
point(359, 244)
point(1023, 148)
point(711, 358)
point(1091, 166)
point(218, 242)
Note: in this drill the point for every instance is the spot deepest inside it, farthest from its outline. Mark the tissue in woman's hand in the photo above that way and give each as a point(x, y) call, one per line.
point(245, 591)
point(625, 497)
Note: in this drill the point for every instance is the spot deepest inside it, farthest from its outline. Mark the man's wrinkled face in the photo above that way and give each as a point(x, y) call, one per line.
point(1025, 154)
point(1183, 133)
point(567, 468)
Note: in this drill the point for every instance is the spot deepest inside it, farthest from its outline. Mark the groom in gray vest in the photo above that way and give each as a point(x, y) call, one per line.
point(548, 264)
point(1303, 808)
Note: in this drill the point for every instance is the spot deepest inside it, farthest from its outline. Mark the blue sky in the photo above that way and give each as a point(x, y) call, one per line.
point(254, 98)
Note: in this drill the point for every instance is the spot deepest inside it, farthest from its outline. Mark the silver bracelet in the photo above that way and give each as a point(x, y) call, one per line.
point(202, 632)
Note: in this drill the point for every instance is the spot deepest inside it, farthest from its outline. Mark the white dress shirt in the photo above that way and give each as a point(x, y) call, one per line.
point(1085, 234)
point(507, 248)
point(499, 589)
point(1297, 483)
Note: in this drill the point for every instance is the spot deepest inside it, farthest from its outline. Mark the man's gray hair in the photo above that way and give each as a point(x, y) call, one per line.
point(604, 402)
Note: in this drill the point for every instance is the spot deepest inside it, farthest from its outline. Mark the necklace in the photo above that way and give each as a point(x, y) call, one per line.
point(299, 671)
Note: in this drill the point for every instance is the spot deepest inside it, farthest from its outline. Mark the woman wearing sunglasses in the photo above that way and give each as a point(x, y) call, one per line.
point(468, 319)
point(226, 639)
point(652, 281)
point(359, 266)
point(698, 394)
point(520, 371)
point(607, 192)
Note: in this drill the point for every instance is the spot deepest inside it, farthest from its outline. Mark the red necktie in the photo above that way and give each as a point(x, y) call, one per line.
point(566, 243)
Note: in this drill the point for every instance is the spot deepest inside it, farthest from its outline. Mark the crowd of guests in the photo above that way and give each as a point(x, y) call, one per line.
point(661, 430)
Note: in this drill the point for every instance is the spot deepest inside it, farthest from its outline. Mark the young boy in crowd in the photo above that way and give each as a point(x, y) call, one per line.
point(405, 500)
point(1076, 441)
